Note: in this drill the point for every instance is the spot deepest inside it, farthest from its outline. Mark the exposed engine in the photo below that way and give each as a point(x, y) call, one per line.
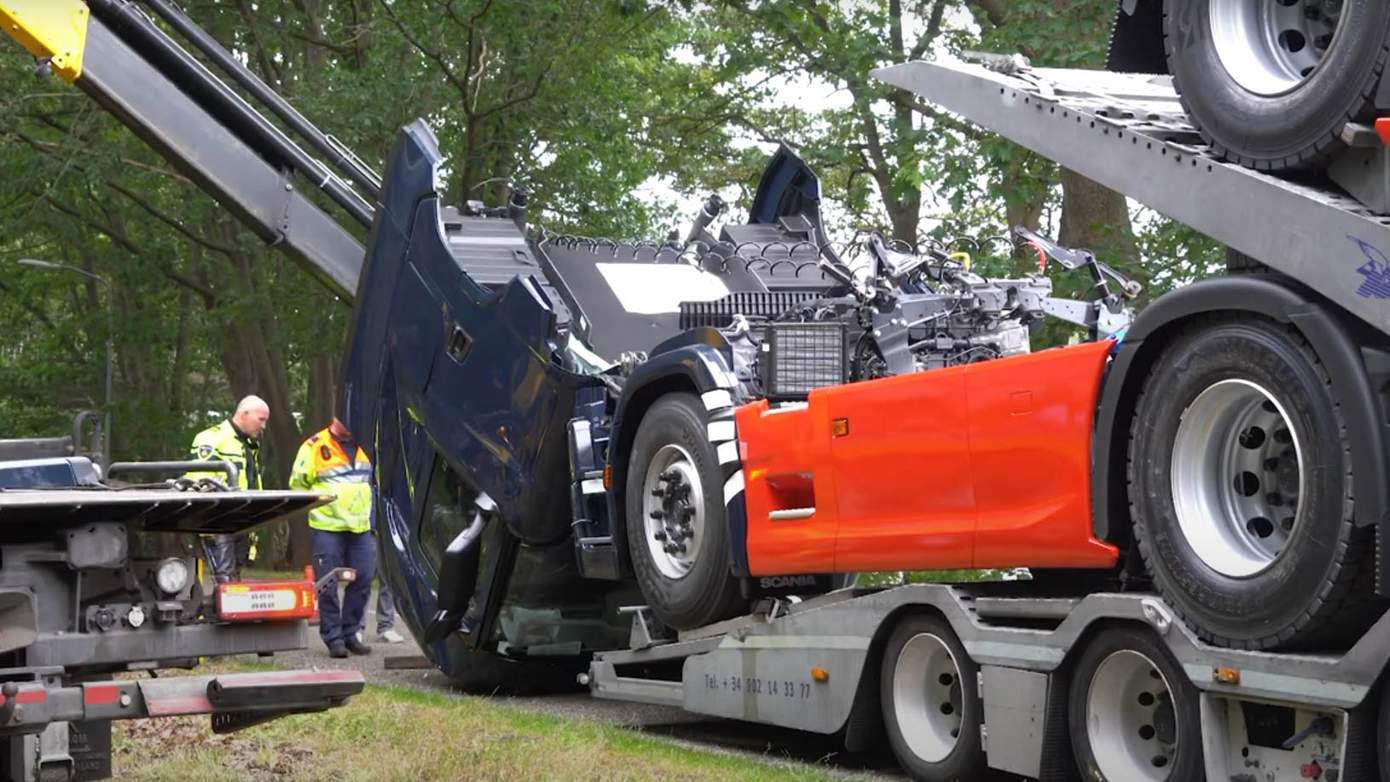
point(900, 313)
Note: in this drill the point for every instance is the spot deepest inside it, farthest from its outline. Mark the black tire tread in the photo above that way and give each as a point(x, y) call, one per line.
point(1083, 671)
point(726, 600)
point(1322, 150)
point(954, 768)
point(1343, 606)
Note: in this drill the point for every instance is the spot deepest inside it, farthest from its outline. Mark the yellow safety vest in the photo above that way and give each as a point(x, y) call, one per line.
point(221, 443)
point(322, 466)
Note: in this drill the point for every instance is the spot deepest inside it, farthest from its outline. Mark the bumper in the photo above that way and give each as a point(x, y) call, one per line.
point(234, 700)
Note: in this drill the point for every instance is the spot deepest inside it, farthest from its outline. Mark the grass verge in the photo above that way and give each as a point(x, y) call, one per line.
point(397, 733)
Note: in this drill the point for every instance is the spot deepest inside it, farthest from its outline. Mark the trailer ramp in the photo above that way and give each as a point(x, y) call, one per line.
point(1129, 133)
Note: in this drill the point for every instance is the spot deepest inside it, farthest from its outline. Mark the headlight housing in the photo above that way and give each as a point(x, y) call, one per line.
point(171, 576)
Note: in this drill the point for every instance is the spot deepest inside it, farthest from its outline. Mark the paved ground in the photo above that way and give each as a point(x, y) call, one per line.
point(791, 746)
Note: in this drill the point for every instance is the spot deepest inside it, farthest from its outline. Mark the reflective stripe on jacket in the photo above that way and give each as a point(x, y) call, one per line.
point(221, 443)
point(322, 466)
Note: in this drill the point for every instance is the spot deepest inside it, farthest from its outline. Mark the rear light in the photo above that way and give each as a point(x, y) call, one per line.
point(250, 601)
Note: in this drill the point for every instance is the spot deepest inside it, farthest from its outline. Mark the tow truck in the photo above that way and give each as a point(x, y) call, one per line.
point(87, 600)
point(599, 455)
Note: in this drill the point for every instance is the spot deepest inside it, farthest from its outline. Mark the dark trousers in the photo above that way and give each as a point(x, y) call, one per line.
point(228, 554)
point(343, 549)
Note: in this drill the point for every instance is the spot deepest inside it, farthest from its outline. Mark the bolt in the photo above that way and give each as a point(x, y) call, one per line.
point(657, 515)
point(670, 475)
point(1272, 464)
point(687, 513)
point(1286, 523)
point(658, 492)
point(659, 537)
point(1275, 498)
point(1323, 41)
point(125, 699)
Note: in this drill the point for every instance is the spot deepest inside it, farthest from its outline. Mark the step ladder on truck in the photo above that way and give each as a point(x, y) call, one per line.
point(1101, 686)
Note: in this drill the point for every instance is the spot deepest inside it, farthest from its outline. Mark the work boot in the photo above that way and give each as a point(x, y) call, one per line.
point(337, 650)
point(355, 646)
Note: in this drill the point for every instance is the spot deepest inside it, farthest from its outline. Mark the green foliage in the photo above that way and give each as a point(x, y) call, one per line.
point(605, 110)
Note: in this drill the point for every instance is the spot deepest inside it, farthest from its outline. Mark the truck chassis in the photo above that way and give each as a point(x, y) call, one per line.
point(818, 665)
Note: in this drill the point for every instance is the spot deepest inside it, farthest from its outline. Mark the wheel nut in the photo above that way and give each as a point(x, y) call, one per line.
point(659, 537)
point(1275, 498)
point(657, 515)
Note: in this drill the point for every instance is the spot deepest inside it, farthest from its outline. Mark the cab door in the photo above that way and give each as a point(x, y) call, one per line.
point(900, 455)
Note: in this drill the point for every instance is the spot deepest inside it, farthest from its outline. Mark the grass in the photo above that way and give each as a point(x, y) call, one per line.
point(398, 733)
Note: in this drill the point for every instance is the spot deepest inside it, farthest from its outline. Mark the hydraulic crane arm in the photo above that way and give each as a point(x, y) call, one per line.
point(118, 55)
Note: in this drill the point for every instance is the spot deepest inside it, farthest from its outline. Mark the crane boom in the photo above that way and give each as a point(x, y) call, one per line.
point(118, 56)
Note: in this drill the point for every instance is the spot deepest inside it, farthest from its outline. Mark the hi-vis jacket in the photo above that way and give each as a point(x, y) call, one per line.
point(221, 443)
point(322, 466)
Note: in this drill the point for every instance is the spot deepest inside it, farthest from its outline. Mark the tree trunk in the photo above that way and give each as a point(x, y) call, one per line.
point(1096, 218)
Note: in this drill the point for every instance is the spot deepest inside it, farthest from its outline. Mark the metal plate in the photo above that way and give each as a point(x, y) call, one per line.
point(155, 510)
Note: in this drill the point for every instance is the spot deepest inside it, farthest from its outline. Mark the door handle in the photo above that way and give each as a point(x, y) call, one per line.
point(458, 344)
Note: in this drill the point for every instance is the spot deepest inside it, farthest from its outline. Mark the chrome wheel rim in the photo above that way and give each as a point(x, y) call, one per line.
point(1130, 720)
point(673, 511)
point(927, 700)
point(1237, 477)
point(1271, 47)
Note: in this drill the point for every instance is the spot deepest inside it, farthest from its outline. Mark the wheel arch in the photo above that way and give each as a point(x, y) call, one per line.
point(1356, 357)
point(693, 363)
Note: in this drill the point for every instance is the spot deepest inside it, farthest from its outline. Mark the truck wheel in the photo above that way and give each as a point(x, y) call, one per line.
point(676, 531)
point(931, 707)
point(1272, 83)
point(1240, 489)
point(1133, 714)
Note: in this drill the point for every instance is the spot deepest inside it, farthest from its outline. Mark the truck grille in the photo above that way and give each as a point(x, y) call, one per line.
point(799, 357)
point(753, 304)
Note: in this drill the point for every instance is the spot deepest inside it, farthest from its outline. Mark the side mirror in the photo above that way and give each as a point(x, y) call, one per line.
point(458, 574)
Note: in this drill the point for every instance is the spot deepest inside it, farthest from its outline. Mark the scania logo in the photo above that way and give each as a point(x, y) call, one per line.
point(782, 582)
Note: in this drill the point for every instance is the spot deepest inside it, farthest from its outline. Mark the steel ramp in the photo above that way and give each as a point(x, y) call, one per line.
point(1129, 133)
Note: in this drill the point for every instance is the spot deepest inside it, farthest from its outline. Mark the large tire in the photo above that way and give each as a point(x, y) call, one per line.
point(1242, 69)
point(693, 586)
point(931, 702)
point(1133, 714)
point(1240, 490)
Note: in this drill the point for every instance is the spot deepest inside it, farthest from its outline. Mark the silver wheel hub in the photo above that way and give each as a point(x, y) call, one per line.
point(1271, 47)
point(927, 697)
point(1237, 477)
point(1130, 720)
point(673, 511)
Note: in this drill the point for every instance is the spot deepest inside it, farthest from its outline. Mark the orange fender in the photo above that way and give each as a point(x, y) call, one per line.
point(983, 465)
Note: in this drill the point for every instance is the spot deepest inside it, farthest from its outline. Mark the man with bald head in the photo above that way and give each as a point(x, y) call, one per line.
point(235, 440)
